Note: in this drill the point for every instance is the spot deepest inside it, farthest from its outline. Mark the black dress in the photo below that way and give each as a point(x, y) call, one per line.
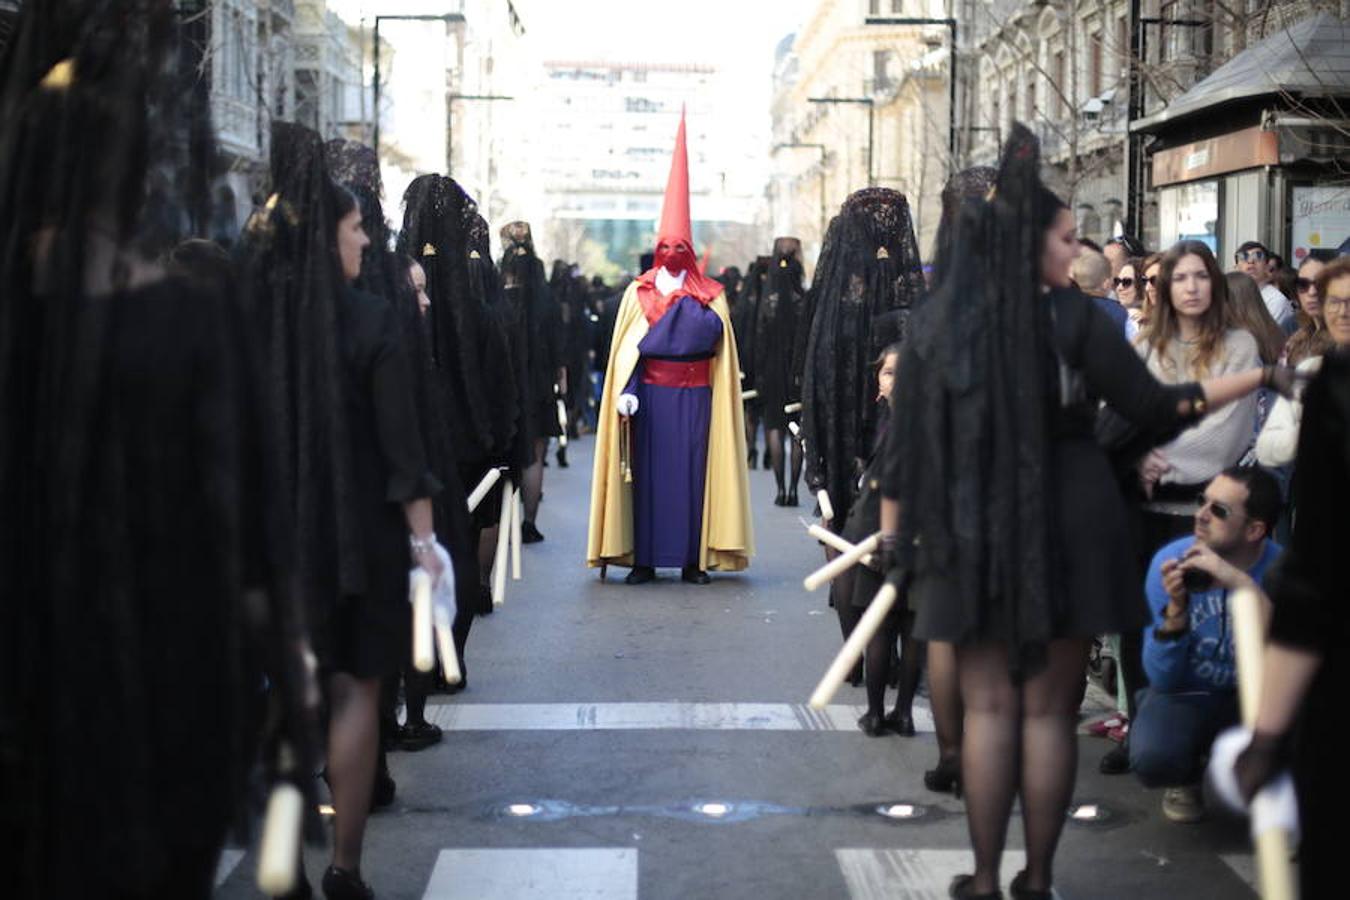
point(366, 632)
point(1308, 590)
point(775, 327)
point(1094, 578)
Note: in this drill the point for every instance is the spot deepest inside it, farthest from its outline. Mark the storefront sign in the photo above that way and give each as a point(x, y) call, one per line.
point(1245, 149)
point(1321, 218)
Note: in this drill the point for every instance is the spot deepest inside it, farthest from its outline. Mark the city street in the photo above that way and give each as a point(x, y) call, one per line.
point(654, 742)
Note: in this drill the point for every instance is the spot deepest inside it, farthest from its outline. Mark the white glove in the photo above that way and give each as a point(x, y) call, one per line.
point(627, 405)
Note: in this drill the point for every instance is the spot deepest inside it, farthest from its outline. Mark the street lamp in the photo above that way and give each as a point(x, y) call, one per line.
point(871, 125)
point(447, 18)
point(951, 69)
point(820, 147)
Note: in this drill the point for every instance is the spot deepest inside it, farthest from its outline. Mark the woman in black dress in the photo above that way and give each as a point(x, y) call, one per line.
point(1011, 526)
point(775, 326)
point(356, 470)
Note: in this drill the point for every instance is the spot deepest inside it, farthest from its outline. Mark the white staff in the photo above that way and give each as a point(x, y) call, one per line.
point(842, 563)
point(500, 561)
point(830, 539)
point(279, 851)
point(481, 491)
point(1272, 842)
point(852, 650)
point(517, 513)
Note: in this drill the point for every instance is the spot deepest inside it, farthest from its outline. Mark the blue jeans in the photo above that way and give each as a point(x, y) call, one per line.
point(1171, 734)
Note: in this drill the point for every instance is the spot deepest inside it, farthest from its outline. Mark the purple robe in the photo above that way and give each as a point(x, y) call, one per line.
point(670, 440)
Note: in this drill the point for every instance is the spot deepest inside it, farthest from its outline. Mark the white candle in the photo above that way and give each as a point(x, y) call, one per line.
point(830, 539)
point(795, 429)
point(841, 563)
point(517, 514)
point(562, 423)
point(500, 563)
point(424, 660)
point(826, 507)
point(792, 408)
point(279, 852)
point(750, 395)
point(852, 650)
point(445, 643)
point(483, 487)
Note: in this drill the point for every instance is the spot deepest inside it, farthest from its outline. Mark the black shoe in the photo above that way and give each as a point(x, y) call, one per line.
point(381, 796)
point(963, 888)
point(562, 457)
point(1020, 891)
point(640, 575)
point(780, 500)
point(872, 724)
point(694, 575)
point(901, 723)
point(792, 498)
point(339, 884)
point(752, 460)
point(946, 778)
point(419, 736)
point(529, 534)
point(1116, 761)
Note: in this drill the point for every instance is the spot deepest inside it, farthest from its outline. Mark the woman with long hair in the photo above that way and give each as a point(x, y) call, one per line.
point(1246, 310)
point(1309, 338)
point(1148, 276)
point(1010, 522)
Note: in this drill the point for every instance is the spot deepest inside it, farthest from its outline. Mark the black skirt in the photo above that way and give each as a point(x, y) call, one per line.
point(1098, 587)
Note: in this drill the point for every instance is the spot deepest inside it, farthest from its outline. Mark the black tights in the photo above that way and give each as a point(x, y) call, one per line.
point(532, 481)
point(841, 595)
point(944, 691)
point(774, 439)
point(1019, 735)
point(877, 658)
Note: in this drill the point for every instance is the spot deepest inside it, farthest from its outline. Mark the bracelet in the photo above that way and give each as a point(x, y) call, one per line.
point(422, 547)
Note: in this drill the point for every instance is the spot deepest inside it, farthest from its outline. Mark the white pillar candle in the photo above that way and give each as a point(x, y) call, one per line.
point(483, 487)
point(562, 423)
point(795, 429)
point(852, 651)
point(830, 539)
point(445, 644)
point(1272, 844)
point(424, 660)
point(826, 507)
point(500, 562)
point(750, 395)
point(792, 408)
point(517, 514)
point(279, 852)
point(841, 563)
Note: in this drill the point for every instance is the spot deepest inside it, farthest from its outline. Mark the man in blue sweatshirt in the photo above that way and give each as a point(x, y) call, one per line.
point(1188, 650)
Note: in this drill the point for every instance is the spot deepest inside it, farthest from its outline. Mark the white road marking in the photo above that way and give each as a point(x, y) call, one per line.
point(228, 862)
point(913, 874)
point(1244, 865)
point(539, 874)
point(655, 716)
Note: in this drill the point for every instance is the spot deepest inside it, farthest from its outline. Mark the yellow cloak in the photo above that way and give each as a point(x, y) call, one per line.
point(728, 538)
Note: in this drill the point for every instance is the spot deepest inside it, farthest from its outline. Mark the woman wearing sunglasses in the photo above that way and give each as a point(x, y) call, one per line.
point(1278, 442)
point(1127, 285)
point(1311, 338)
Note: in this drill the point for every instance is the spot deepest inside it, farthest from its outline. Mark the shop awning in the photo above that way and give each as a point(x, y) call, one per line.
point(1309, 59)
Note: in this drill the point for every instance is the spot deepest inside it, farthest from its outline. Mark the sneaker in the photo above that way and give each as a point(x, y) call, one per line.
point(1183, 805)
point(1103, 727)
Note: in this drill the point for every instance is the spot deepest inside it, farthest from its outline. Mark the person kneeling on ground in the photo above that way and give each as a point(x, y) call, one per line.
point(1188, 651)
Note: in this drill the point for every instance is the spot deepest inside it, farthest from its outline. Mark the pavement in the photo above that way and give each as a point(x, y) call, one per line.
point(654, 742)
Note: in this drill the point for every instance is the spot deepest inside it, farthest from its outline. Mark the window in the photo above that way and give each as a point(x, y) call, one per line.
point(1031, 97)
point(1061, 85)
point(1095, 64)
point(881, 78)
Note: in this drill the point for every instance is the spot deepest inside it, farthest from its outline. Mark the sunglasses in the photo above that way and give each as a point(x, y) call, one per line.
point(1123, 282)
point(1249, 256)
point(1151, 280)
point(1220, 511)
point(1303, 284)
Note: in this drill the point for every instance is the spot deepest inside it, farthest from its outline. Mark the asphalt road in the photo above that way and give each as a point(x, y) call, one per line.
point(653, 742)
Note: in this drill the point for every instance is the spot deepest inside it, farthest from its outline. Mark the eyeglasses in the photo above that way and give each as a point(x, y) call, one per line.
point(1336, 304)
point(1303, 284)
point(1249, 256)
point(1220, 511)
point(1123, 282)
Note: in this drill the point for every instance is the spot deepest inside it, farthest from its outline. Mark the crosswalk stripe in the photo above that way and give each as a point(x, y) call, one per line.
point(228, 862)
point(1243, 865)
point(912, 874)
point(654, 716)
point(536, 874)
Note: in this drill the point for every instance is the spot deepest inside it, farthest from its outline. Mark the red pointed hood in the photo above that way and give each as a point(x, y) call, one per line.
point(676, 227)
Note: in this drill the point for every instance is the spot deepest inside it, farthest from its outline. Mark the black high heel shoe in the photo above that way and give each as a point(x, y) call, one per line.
point(792, 498)
point(901, 723)
point(945, 778)
point(872, 725)
point(963, 888)
point(781, 499)
point(339, 884)
point(1020, 891)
